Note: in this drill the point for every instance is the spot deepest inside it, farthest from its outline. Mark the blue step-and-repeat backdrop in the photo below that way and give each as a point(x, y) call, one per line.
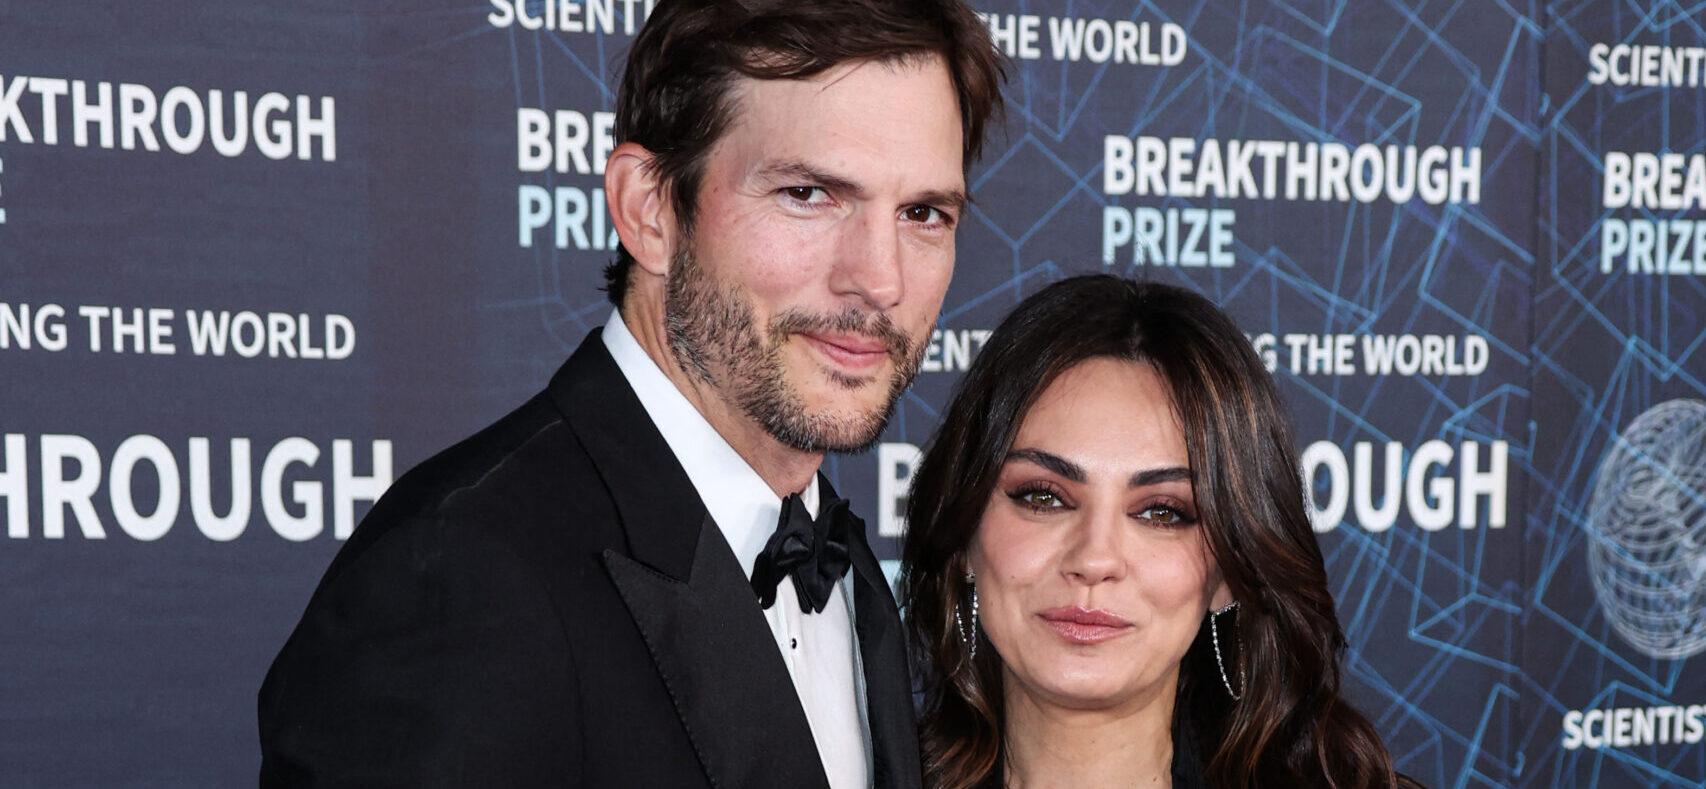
point(257, 260)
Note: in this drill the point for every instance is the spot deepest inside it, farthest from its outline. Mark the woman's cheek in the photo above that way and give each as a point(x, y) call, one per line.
point(1010, 548)
point(1006, 562)
point(1176, 577)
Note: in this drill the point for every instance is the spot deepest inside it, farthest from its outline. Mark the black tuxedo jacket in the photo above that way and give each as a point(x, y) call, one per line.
point(549, 604)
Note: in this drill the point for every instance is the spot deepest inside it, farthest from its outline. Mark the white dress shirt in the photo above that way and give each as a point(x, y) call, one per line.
point(819, 649)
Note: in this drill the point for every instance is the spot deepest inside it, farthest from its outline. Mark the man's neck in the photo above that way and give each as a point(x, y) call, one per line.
point(785, 469)
point(1049, 746)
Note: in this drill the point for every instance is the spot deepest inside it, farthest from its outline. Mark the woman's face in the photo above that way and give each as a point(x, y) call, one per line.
point(1092, 574)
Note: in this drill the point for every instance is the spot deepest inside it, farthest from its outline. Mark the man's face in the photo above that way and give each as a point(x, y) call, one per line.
point(821, 249)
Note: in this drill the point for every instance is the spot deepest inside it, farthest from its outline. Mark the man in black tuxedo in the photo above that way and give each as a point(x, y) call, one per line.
point(638, 578)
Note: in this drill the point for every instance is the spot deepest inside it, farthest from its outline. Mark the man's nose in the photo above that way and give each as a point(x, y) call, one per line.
point(869, 261)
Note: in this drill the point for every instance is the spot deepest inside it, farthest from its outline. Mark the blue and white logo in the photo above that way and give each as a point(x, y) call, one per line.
point(1648, 522)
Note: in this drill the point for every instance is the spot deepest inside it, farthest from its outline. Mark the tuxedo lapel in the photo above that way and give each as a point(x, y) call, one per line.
point(659, 509)
point(720, 664)
point(686, 592)
point(888, 686)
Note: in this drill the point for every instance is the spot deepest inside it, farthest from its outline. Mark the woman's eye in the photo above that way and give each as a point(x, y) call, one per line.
point(1038, 499)
point(1164, 515)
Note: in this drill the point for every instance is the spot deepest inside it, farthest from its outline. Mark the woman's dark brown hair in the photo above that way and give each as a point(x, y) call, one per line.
point(1291, 727)
point(675, 94)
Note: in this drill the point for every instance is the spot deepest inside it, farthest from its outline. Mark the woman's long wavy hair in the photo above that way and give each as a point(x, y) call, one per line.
point(1291, 727)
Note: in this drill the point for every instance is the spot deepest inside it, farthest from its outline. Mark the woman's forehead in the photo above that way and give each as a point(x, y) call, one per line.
point(1108, 415)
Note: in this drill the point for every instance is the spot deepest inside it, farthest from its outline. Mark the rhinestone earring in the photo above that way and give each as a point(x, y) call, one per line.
point(969, 636)
point(1219, 661)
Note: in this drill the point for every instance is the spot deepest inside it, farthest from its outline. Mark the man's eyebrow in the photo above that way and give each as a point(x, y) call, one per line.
point(795, 171)
point(1050, 461)
point(807, 175)
point(1156, 476)
point(952, 199)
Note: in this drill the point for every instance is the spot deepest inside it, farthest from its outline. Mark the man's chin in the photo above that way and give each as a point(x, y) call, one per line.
point(825, 427)
point(833, 410)
point(847, 439)
point(867, 401)
point(858, 386)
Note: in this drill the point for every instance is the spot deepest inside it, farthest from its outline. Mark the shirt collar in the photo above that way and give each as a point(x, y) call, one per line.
point(742, 505)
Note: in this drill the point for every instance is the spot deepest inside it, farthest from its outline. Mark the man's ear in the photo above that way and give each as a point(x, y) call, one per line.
point(639, 207)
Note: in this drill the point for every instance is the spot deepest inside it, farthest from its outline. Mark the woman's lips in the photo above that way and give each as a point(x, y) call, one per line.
point(1084, 625)
point(850, 352)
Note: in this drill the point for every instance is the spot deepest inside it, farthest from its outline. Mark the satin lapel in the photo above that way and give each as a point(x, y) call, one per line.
point(888, 685)
point(719, 661)
point(659, 509)
point(685, 590)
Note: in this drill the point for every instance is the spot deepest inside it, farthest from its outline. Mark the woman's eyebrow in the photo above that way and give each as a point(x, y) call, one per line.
point(1075, 472)
point(1052, 462)
point(1156, 476)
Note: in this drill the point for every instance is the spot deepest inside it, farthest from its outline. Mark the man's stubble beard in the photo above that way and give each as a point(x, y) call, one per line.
point(709, 327)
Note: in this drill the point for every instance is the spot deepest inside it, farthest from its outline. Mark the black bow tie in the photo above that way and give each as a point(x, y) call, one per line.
point(813, 552)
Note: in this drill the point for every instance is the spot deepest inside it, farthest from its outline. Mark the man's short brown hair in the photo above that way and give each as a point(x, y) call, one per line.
point(674, 99)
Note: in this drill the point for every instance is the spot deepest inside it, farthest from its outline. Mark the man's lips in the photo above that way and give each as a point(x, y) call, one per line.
point(850, 351)
point(1084, 625)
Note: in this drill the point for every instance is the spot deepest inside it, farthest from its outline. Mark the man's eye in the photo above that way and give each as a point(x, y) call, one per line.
point(924, 214)
point(805, 194)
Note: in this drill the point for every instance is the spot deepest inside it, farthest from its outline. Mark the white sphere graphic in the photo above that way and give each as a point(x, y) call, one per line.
point(1647, 518)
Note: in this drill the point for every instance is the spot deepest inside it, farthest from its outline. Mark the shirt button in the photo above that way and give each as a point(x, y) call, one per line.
point(793, 643)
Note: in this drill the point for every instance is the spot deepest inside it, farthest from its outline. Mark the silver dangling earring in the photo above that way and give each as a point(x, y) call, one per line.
point(968, 636)
point(1214, 632)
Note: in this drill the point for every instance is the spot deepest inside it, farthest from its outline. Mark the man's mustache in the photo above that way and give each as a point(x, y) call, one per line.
point(876, 326)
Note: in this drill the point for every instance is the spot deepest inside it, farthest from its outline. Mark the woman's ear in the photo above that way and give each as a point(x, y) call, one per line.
point(1220, 597)
point(965, 564)
point(639, 207)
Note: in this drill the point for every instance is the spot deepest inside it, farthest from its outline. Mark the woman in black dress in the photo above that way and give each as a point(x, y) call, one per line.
point(1109, 568)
